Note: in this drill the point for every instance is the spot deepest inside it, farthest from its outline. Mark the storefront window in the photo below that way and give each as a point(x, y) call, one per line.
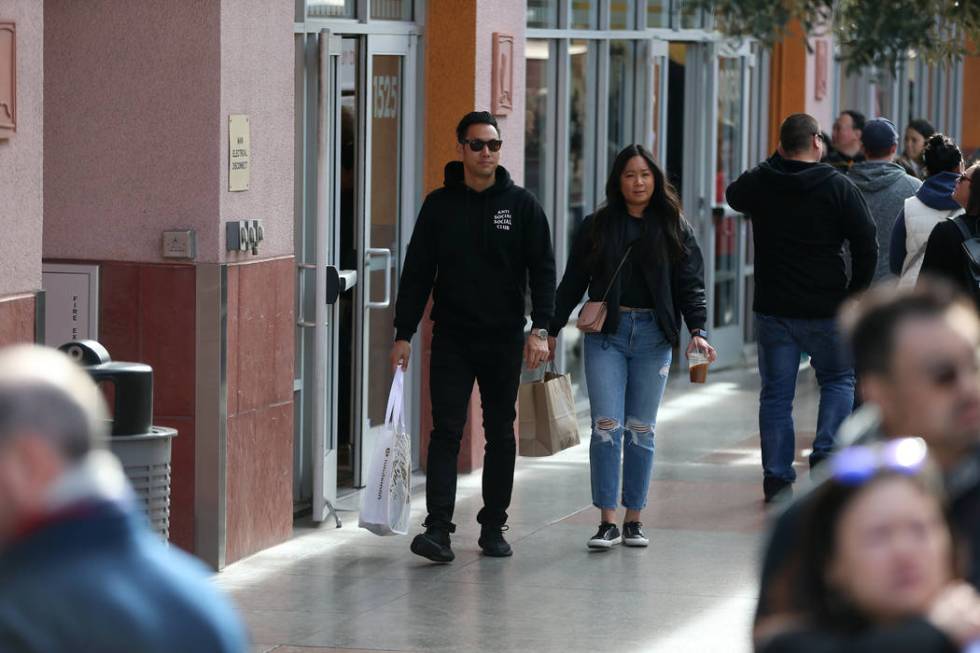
point(728, 159)
point(729, 121)
point(658, 13)
point(585, 14)
point(539, 143)
point(542, 13)
point(391, 9)
point(581, 134)
point(691, 16)
point(622, 14)
point(331, 8)
point(622, 87)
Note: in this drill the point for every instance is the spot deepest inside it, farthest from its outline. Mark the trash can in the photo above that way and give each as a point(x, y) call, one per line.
point(143, 449)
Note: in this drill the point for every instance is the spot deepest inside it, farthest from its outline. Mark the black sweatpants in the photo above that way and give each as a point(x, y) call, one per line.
point(458, 360)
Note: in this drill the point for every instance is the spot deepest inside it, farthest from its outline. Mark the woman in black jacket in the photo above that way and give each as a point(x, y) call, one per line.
point(876, 561)
point(944, 255)
point(639, 254)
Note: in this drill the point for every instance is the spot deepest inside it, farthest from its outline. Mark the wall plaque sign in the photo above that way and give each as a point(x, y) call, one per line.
point(239, 152)
point(502, 75)
point(820, 71)
point(8, 79)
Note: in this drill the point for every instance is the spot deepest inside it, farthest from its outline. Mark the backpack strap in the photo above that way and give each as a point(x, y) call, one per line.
point(963, 227)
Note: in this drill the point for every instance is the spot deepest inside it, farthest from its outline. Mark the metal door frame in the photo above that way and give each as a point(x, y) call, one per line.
point(406, 47)
point(728, 340)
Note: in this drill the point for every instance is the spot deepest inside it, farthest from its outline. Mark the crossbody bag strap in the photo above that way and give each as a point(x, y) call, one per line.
point(616, 273)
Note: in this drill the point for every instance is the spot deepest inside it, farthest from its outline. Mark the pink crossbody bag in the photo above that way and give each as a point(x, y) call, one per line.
point(593, 314)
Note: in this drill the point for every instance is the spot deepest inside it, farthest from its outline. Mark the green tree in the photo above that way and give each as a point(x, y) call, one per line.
point(877, 33)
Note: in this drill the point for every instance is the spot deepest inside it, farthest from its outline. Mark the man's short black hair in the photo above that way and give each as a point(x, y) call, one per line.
point(797, 132)
point(857, 118)
point(872, 322)
point(474, 118)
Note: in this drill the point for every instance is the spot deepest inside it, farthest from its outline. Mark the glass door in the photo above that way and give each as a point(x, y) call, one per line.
point(321, 238)
point(652, 118)
point(386, 186)
point(723, 254)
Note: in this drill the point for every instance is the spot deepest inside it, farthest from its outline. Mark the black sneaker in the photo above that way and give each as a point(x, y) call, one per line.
point(606, 537)
point(434, 544)
point(493, 543)
point(776, 489)
point(633, 534)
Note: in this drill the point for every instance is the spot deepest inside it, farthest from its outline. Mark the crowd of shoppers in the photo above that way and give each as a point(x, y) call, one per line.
point(880, 552)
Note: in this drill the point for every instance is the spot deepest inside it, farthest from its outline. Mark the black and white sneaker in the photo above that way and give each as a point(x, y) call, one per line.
point(633, 534)
point(606, 537)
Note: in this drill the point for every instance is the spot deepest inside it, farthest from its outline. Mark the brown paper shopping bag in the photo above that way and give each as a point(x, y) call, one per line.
point(554, 425)
point(526, 415)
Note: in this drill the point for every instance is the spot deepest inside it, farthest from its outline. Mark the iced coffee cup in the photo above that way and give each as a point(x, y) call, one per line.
point(697, 363)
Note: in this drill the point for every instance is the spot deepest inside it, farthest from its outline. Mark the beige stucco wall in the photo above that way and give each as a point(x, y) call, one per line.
point(131, 108)
point(257, 63)
point(508, 17)
point(21, 156)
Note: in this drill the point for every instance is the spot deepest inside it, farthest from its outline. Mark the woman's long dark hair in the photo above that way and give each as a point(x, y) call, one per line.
point(664, 207)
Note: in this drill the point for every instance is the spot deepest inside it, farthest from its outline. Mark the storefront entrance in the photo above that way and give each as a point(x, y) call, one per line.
point(359, 162)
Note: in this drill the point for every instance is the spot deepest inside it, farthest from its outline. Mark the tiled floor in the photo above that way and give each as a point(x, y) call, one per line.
point(692, 590)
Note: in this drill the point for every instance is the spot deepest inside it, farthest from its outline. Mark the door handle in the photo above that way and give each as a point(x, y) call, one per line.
point(386, 253)
point(339, 281)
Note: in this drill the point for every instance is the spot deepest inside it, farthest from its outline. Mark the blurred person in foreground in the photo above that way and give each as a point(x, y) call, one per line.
point(79, 568)
point(876, 561)
point(915, 355)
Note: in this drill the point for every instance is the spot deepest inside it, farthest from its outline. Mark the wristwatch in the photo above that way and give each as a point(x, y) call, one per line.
point(699, 333)
point(541, 333)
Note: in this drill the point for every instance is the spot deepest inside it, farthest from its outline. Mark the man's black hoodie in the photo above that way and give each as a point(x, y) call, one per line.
point(801, 215)
point(476, 252)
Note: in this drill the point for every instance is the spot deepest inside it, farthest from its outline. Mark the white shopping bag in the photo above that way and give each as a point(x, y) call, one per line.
point(386, 502)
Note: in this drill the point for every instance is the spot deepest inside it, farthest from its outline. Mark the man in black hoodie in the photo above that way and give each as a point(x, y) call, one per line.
point(478, 241)
point(802, 212)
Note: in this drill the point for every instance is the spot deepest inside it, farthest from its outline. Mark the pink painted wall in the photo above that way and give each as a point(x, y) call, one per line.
point(823, 109)
point(509, 17)
point(131, 124)
point(21, 156)
point(257, 63)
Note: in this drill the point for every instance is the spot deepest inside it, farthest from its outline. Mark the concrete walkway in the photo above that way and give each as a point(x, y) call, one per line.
point(692, 590)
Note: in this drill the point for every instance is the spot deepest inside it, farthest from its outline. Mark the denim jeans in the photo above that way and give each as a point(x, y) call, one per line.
point(780, 342)
point(457, 361)
point(626, 373)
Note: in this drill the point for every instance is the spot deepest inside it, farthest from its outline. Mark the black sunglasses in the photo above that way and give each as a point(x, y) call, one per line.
point(477, 144)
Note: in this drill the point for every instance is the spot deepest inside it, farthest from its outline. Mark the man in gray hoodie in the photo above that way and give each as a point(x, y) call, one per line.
point(884, 183)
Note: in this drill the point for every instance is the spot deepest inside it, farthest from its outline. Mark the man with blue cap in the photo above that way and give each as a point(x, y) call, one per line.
point(884, 183)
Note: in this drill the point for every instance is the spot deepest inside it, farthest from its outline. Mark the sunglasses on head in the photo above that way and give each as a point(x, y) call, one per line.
point(477, 144)
point(856, 465)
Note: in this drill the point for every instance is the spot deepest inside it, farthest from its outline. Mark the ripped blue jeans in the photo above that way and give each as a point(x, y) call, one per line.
point(626, 373)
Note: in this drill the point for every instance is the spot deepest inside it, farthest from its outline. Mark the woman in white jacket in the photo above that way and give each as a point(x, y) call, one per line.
point(931, 205)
